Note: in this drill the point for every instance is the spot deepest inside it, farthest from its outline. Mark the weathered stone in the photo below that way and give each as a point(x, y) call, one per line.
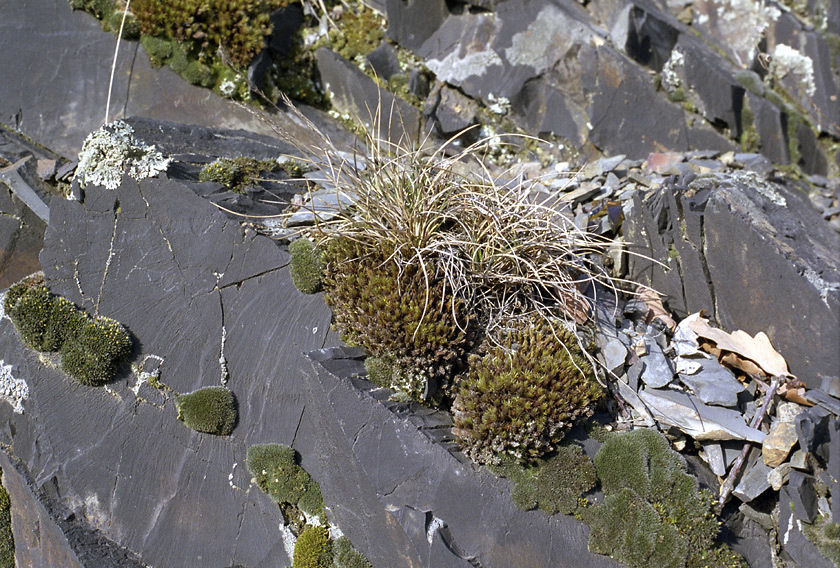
point(769, 123)
point(778, 443)
point(383, 61)
point(658, 371)
point(831, 385)
point(833, 467)
point(753, 482)
point(720, 455)
point(827, 402)
point(799, 460)
point(663, 163)
point(778, 476)
point(796, 547)
point(803, 496)
point(812, 430)
point(615, 354)
point(355, 93)
point(454, 111)
point(713, 383)
point(645, 36)
point(412, 22)
point(698, 420)
point(788, 411)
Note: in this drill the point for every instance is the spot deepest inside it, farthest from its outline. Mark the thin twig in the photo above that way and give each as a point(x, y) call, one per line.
point(114, 64)
point(729, 485)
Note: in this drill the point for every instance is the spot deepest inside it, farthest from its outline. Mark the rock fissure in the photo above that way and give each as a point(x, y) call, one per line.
point(107, 260)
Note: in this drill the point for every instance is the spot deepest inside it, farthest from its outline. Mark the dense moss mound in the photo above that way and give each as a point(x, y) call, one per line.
point(91, 349)
point(313, 549)
point(388, 312)
point(211, 410)
point(305, 266)
point(275, 471)
point(345, 556)
point(519, 399)
point(7, 540)
point(652, 499)
point(554, 485)
point(93, 355)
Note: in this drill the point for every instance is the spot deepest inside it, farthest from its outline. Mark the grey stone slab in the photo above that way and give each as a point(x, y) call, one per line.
point(658, 371)
point(753, 482)
point(72, 82)
point(410, 475)
point(355, 93)
point(411, 23)
point(700, 421)
point(795, 545)
point(713, 383)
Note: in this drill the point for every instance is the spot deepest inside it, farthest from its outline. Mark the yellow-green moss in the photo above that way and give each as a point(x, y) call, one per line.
point(826, 536)
point(312, 549)
point(211, 410)
point(275, 471)
point(305, 266)
point(7, 539)
point(236, 173)
point(93, 355)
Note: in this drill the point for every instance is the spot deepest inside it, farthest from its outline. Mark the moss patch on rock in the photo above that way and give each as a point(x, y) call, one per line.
point(520, 398)
point(211, 410)
point(651, 499)
point(7, 539)
point(276, 472)
point(305, 266)
point(826, 536)
point(313, 549)
point(236, 173)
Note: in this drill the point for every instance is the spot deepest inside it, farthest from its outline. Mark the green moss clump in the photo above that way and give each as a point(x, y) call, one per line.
point(639, 470)
point(312, 549)
point(43, 321)
point(380, 371)
point(554, 485)
point(236, 173)
point(7, 539)
point(101, 9)
point(275, 471)
point(826, 536)
point(345, 556)
point(520, 398)
point(211, 410)
point(158, 49)
point(93, 355)
point(383, 309)
point(131, 28)
point(238, 26)
point(305, 266)
point(359, 33)
point(196, 73)
point(628, 529)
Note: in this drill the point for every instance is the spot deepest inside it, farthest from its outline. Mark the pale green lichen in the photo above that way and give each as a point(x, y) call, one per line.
point(110, 152)
point(788, 61)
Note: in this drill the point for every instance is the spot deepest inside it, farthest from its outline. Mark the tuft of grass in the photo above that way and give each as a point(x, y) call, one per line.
point(305, 266)
point(211, 410)
point(826, 536)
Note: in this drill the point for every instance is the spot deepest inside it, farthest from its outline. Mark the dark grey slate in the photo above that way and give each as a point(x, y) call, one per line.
point(649, 38)
point(355, 93)
point(383, 61)
point(803, 495)
point(658, 371)
point(454, 111)
point(412, 22)
point(812, 429)
point(713, 383)
point(770, 122)
point(795, 545)
point(753, 481)
point(72, 83)
point(405, 481)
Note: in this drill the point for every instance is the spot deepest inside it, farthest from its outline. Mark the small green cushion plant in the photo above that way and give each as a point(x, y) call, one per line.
point(305, 266)
point(642, 476)
point(313, 549)
point(93, 355)
point(211, 410)
point(345, 556)
point(43, 321)
point(235, 173)
point(7, 539)
point(275, 471)
point(520, 398)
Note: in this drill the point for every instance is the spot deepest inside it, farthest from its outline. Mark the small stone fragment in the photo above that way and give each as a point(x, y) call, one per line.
point(778, 443)
point(753, 483)
point(658, 371)
point(778, 476)
point(803, 495)
point(799, 460)
point(614, 355)
point(713, 383)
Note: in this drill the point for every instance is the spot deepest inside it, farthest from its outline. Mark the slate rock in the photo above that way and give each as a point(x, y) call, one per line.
point(698, 420)
point(753, 482)
point(383, 61)
point(795, 545)
point(401, 482)
point(412, 22)
point(355, 93)
point(720, 455)
point(713, 383)
point(658, 371)
point(73, 105)
point(769, 122)
point(454, 111)
point(803, 496)
point(645, 35)
point(615, 354)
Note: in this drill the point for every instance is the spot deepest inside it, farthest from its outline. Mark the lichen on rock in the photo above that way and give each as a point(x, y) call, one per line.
point(112, 151)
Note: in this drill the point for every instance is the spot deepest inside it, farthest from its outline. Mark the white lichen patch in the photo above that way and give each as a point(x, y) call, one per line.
point(498, 105)
point(289, 539)
point(434, 527)
point(742, 22)
point(111, 151)
point(672, 70)
point(12, 390)
point(546, 39)
point(788, 61)
point(455, 68)
point(144, 372)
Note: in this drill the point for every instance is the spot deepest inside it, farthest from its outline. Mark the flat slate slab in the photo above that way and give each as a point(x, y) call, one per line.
point(190, 285)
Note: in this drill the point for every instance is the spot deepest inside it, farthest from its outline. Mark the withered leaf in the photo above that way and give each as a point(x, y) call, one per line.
point(758, 349)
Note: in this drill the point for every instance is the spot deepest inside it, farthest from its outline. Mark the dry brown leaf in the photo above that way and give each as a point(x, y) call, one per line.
point(657, 310)
point(794, 391)
point(733, 361)
point(758, 349)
